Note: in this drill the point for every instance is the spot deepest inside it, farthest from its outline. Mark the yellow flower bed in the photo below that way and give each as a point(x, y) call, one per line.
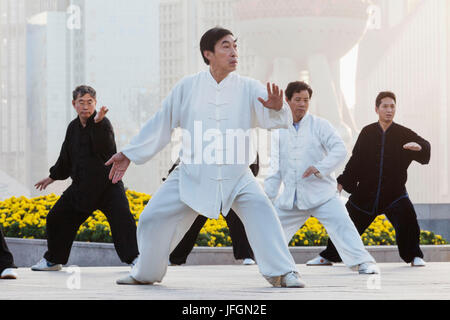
point(26, 218)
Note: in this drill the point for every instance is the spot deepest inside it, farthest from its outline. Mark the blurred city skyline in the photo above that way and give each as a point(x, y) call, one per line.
point(133, 52)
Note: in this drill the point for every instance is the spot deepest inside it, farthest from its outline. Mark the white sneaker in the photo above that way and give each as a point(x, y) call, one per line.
point(292, 280)
point(418, 262)
point(319, 261)
point(368, 268)
point(44, 265)
point(8, 273)
point(248, 261)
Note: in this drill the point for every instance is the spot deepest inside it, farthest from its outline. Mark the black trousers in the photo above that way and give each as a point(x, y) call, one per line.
point(64, 220)
point(6, 257)
point(241, 246)
point(404, 220)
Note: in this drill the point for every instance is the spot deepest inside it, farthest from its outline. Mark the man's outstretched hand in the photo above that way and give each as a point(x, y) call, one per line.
point(274, 98)
point(120, 165)
point(41, 185)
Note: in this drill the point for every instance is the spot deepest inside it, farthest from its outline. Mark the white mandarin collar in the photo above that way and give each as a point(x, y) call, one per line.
point(301, 124)
point(222, 83)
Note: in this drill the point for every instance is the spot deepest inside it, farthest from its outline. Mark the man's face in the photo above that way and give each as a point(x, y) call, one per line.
point(299, 104)
point(84, 106)
point(225, 55)
point(386, 110)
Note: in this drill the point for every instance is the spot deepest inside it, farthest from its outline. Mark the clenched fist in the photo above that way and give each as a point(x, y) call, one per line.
point(413, 146)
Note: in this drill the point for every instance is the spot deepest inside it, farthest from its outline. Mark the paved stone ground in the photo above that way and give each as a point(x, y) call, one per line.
point(234, 282)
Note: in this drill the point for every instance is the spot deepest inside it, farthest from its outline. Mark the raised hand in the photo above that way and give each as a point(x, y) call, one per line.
point(413, 146)
point(41, 185)
point(100, 114)
point(120, 165)
point(274, 97)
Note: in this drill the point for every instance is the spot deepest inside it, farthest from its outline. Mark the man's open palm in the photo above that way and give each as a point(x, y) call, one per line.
point(41, 185)
point(274, 97)
point(120, 165)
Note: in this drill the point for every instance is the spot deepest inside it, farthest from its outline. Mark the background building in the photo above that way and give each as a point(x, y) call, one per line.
point(14, 132)
point(182, 23)
point(47, 113)
point(94, 42)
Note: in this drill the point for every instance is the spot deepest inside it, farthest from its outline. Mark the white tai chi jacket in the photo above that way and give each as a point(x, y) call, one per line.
point(211, 115)
point(316, 143)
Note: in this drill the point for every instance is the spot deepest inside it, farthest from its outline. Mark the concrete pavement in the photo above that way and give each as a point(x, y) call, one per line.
point(233, 282)
point(27, 252)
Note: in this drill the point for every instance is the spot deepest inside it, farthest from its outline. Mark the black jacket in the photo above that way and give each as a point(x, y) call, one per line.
point(376, 173)
point(82, 157)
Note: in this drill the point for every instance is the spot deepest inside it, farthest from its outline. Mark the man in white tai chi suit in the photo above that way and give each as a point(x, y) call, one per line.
point(304, 158)
point(215, 106)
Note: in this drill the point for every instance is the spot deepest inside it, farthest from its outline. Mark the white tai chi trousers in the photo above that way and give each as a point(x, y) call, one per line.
point(166, 219)
point(340, 228)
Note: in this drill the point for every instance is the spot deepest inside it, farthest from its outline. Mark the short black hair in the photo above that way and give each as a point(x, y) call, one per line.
point(210, 38)
point(384, 94)
point(297, 86)
point(82, 90)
